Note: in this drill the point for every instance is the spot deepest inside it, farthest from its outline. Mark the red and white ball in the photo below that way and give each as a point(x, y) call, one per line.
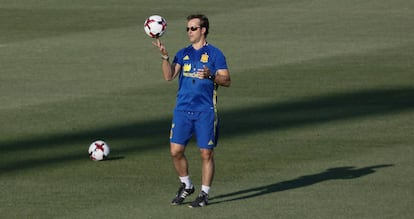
point(98, 150)
point(155, 26)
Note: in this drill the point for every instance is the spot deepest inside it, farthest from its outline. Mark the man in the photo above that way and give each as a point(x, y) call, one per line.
point(200, 68)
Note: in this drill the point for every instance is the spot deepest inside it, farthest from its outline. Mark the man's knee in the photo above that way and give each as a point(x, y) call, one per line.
point(177, 150)
point(207, 154)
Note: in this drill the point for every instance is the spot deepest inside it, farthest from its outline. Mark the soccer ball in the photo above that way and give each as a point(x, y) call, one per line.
point(98, 150)
point(155, 26)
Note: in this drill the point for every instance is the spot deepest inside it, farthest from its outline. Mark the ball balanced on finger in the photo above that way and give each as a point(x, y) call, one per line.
point(155, 26)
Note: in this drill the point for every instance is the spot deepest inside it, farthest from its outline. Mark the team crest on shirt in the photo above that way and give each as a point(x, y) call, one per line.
point(186, 57)
point(204, 58)
point(187, 67)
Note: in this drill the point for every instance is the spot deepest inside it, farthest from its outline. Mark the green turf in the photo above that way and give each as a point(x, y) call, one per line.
point(317, 123)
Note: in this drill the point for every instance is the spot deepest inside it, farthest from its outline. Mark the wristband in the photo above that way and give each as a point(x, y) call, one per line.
point(165, 57)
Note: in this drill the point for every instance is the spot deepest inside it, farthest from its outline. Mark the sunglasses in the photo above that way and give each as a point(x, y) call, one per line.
point(192, 28)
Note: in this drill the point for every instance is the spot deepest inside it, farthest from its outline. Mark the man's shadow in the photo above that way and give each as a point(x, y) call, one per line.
point(347, 172)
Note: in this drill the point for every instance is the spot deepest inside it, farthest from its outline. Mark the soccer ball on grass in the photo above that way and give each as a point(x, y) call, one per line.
point(98, 150)
point(155, 26)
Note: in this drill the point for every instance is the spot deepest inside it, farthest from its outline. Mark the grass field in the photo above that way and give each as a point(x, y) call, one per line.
point(318, 122)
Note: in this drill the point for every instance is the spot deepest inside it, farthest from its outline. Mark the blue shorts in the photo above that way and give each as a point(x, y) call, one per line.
point(204, 125)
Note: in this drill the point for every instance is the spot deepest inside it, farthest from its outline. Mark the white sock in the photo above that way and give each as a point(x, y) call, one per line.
point(205, 189)
point(187, 181)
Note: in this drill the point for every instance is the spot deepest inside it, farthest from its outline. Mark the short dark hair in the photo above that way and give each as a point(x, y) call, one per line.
point(203, 21)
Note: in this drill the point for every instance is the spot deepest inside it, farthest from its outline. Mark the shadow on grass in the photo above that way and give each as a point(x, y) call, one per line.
point(318, 110)
point(153, 135)
point(114, 158)
point(339, 173)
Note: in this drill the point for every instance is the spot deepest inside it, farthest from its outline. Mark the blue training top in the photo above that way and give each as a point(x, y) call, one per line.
point(196, 94)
